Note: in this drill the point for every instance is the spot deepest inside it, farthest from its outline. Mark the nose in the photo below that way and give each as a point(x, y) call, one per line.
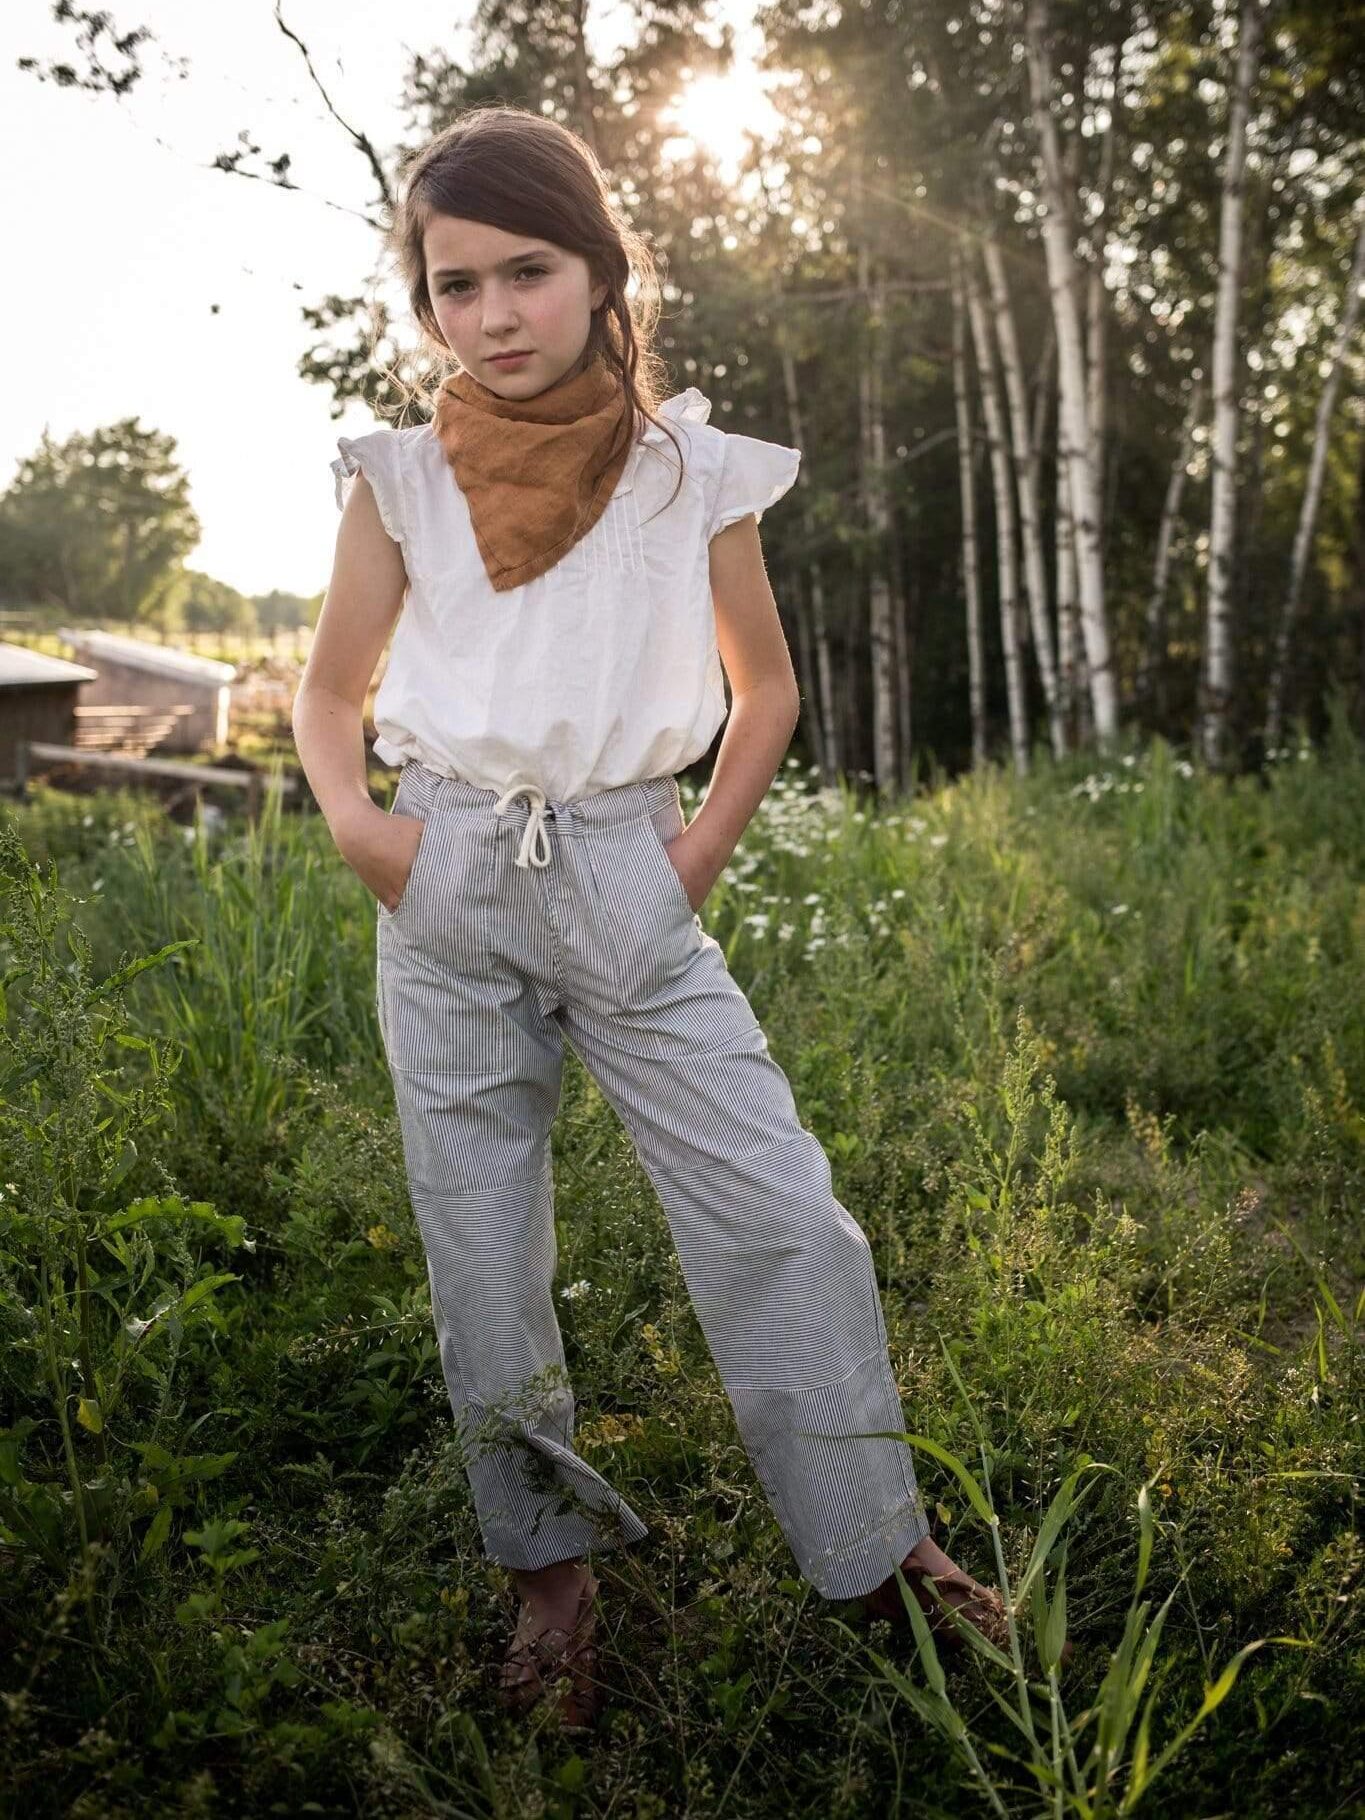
point(497, 315)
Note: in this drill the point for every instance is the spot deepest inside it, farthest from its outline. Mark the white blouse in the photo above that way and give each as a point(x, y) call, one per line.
point(603, 670)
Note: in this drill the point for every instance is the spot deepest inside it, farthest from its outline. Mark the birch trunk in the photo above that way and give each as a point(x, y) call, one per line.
point(1069, 677)
point(1026, 472)
point(1222, 527)
point(1312, 493)
point(1097, 318)
point(1074, 417)
point(877, 517)
point(1150, 662)
point(976, 686)
point(1006, 535)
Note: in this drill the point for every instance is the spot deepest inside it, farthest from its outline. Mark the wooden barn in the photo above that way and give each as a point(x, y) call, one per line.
point(188, 696)
point(38, 701)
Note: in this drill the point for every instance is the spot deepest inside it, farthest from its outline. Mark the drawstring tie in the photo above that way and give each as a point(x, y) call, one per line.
point(535, 842)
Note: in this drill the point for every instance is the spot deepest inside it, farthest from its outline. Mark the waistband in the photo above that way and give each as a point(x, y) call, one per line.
point(526, 805)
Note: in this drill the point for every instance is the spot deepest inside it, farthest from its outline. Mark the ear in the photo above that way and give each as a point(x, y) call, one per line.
point(599, 295)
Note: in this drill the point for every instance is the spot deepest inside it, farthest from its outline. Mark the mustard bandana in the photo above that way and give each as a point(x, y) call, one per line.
point(537, 473)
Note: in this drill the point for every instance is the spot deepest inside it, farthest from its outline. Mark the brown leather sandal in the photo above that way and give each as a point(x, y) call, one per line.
point(558, 1658)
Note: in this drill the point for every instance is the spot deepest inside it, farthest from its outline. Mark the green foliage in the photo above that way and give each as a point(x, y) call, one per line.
point(1111, 1174)
point(98, 1292)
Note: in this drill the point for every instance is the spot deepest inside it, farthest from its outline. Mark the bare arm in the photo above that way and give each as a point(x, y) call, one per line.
point(765, 704)
point(359, 610)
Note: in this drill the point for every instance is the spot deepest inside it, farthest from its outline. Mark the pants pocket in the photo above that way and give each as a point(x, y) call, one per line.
point(423, 842)
point(664, 837)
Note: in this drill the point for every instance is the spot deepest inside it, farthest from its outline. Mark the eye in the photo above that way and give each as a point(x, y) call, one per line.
point(521, 272)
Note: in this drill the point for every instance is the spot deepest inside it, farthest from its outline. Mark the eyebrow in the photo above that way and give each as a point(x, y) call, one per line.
point(503, 265)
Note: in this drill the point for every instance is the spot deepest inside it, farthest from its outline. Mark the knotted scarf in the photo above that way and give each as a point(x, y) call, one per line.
point(537, 473)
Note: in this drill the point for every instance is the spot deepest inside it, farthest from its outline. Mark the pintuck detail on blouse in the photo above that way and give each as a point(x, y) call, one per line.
point(601, 671)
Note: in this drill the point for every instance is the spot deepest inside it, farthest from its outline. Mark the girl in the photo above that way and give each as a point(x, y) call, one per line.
point(572, 561)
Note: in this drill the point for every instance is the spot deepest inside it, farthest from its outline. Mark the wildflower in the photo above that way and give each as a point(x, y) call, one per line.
point(938, 840)
point(1118, 909)
point(574, 1292)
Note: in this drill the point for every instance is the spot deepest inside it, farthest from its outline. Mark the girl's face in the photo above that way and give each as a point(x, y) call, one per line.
point(495, 292)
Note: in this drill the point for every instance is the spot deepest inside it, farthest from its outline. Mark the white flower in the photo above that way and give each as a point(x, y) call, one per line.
point(1118, 909)
point(574, 1292)
point(938, 840)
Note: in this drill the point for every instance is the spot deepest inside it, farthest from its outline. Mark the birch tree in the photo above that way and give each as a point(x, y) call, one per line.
point(1223, 508)
point(971, 581)
point(1026, 474)
point(877, 516)
point(1074, 439)
point(1007, 556)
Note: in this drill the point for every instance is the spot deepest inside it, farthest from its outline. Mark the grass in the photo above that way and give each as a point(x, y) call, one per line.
point(1086, 1052)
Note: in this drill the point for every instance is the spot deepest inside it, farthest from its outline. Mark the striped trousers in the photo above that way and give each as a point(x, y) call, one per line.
point(524, 923)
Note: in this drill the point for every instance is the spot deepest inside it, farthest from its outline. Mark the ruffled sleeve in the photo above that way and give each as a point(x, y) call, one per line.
point(377, 456)
point(753, 476)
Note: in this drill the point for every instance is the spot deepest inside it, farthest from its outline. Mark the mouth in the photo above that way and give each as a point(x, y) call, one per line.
point(509, 359)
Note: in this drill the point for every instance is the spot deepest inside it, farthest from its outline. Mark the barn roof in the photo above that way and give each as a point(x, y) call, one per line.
point(141, 654)
point(20, 667)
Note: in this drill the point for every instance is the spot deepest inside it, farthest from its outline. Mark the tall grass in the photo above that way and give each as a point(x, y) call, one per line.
point(1086, 1052)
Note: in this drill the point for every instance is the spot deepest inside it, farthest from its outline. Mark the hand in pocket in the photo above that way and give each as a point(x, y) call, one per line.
point(385, 853)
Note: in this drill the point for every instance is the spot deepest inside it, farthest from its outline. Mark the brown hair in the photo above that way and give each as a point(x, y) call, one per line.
point(526, 174)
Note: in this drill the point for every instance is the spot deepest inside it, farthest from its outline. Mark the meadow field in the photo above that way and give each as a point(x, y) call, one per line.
point(1087, 1054)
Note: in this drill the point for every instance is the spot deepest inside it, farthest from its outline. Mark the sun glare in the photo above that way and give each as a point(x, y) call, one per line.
point(717, 114)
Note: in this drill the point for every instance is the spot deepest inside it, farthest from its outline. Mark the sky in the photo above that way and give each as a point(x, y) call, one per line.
point(148, 285)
